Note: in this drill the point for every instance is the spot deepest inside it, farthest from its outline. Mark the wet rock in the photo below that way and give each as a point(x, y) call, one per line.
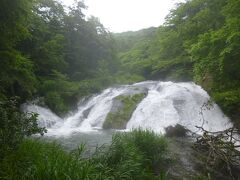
point(116, 105)
point(86, 112)
point(137, 90)
point(176, 131)
point(185, 164)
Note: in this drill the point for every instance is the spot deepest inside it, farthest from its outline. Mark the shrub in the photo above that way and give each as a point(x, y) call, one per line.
point(38, 160)
point(139, 154)
point(56, 102)
point(15, 125)
point(152, 146)
point(229, 101)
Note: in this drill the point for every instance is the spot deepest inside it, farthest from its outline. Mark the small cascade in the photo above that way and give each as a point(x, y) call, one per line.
point(90, 115)
point(166, 104)
point(46, 118)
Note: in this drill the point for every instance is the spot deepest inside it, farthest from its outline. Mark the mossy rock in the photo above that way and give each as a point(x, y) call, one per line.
point(118, 119)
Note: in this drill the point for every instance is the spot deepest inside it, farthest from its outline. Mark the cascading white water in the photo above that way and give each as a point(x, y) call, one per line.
point(46, 118)
point(98, 107)
point(166, 104)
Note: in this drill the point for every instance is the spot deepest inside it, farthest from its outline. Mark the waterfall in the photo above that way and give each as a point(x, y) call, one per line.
point(46, 118)
point(166, 104)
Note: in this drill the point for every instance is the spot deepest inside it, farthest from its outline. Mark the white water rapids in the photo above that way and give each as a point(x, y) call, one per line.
point(166, 104)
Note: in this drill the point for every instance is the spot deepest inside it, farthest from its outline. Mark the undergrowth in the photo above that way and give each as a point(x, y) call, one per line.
point(135, 155)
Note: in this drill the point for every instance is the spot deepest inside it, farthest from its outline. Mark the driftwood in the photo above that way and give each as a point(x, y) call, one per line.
point(222, 148)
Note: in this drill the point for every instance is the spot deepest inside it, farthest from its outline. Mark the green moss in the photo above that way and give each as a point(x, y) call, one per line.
point(119, 119)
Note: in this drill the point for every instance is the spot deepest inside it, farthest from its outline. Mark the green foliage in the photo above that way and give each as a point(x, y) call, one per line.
point(54, 101)
point(128, 40)
point(127, 78)
point(59, 92)
point(230, 103)
point(119, 119)
point(130, 156)
point(46, 50)
point(155, 156)
point(139, 154)
point(38, 160)
point(14, 126)
point(216, 54)
point(134, 51)
point(16, 74)
point(13, 21)
point(87, 43)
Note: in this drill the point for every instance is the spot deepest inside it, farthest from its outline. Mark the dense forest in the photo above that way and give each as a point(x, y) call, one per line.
point(47, 51)
point(57, 55)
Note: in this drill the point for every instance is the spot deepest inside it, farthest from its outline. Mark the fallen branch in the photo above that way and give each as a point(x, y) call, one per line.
point(221, 148)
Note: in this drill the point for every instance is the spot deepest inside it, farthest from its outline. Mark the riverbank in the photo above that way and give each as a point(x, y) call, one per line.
point(128, 155)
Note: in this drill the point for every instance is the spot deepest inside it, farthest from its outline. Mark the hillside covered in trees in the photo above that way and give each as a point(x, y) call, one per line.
point(55, 55)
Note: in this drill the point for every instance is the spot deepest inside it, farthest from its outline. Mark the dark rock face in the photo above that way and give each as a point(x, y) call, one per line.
point(176, 131)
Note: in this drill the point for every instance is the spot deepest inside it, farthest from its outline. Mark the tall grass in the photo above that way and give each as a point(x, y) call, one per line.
point(39, 160)
point(135, 155)
point(146, 149)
